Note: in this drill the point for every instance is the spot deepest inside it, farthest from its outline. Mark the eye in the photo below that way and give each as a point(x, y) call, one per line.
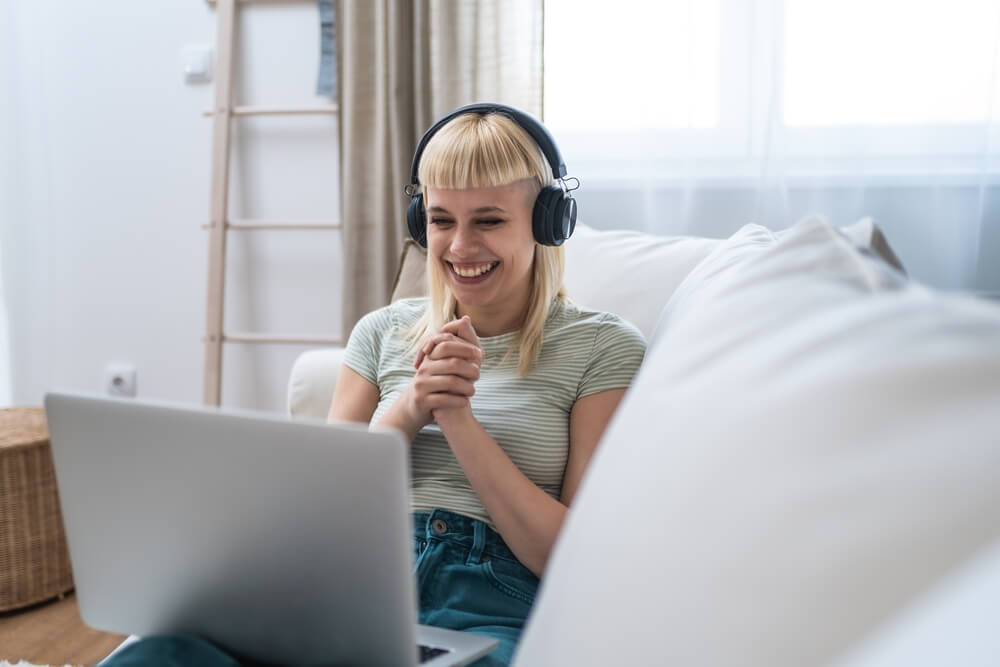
point(490, 222)
point(441, 221)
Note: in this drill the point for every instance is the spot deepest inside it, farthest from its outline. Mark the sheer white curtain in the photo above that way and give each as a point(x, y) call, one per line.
point(698, 116)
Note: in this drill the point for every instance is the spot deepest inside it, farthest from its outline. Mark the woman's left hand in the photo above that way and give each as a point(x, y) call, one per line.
point(455, 339)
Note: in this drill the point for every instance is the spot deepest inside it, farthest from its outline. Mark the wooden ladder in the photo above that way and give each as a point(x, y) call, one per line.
point(219, 223)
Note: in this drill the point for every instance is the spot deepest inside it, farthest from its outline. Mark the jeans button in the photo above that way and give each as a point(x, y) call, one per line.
point(439, 526)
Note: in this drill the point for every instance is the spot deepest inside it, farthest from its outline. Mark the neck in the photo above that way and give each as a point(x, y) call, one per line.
point(497, 319)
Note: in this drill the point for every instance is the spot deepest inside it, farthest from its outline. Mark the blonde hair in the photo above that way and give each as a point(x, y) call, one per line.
point(487, 150)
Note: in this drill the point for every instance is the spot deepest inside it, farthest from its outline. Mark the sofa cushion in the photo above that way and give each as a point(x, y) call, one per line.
point(411, 275)
point(629, 273)
point(810, 445)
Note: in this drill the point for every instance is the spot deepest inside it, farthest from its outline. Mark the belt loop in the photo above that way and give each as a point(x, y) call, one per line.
point(425, 528)
point(478, 542)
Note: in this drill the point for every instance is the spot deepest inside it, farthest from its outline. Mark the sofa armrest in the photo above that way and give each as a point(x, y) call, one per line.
point(311, 383)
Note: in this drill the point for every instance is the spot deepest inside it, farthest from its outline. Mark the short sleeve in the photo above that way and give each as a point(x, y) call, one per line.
point(364, 347)
point(615, 357)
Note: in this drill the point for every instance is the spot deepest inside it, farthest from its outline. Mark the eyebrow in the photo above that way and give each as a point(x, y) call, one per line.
point(481, 209)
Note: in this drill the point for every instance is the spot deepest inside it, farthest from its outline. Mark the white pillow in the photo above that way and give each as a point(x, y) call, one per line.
point(811, 443)
point(634, 274)
point(629, 273)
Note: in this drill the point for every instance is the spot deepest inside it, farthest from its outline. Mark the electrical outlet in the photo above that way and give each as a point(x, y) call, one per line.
point(196, 59)
point(119, 379)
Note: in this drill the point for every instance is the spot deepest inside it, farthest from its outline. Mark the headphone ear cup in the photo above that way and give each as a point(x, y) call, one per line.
point(554, 216)
point(416, 220)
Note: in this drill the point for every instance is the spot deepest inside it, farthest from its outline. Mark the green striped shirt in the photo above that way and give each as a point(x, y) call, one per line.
point(583, 352)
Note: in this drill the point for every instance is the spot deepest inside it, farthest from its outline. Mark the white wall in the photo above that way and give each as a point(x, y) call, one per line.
point(6, 164)
point(107, 160)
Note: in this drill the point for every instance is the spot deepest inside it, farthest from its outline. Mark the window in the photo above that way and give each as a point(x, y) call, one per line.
point(705, 88)
point(645, 65)
point(889, 63)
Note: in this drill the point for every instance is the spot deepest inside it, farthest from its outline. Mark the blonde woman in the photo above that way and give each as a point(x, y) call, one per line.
point(502, 385)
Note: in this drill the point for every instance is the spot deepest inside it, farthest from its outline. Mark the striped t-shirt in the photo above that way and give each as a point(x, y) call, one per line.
point(583, 352)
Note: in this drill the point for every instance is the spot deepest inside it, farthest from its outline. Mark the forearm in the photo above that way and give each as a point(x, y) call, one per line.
point(526, 517)
point(398, 418)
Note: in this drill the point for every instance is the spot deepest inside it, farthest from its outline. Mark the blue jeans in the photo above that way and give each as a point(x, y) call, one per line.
point(467, 579)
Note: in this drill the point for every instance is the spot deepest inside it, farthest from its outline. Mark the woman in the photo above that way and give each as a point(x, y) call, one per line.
point(502, 385)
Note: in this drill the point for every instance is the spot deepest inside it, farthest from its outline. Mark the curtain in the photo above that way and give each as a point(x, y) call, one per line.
point(401, 66)
point(699, 116)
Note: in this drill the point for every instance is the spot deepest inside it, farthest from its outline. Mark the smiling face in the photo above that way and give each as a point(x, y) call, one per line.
point(484, 249)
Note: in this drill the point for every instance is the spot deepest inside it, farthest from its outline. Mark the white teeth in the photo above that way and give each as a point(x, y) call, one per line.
point(472, 272)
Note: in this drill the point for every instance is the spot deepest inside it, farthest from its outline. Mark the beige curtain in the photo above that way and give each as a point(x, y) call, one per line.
point(401, 66)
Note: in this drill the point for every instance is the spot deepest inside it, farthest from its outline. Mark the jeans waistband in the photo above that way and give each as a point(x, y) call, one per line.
point(461, 530)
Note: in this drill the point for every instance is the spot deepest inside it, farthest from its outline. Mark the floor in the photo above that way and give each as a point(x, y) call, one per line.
point(51, 633)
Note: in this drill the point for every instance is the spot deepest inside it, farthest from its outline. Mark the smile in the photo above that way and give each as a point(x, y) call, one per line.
point(472, 271)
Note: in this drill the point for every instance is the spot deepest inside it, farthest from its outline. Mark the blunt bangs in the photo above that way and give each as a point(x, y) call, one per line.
point(477, 151)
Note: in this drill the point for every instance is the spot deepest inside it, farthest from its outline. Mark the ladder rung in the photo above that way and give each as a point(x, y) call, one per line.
point(278, 111)
point(279, 224)
point(266, 338)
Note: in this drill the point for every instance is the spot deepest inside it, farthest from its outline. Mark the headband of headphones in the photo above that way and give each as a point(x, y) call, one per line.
point(553, 215)
point(526, 121)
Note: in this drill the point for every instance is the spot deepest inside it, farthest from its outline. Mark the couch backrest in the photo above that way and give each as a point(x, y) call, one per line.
point(629, 273)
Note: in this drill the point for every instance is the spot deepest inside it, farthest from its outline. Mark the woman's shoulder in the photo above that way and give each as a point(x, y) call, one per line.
point(407, 311)
point(399, 314)
point(568, 314)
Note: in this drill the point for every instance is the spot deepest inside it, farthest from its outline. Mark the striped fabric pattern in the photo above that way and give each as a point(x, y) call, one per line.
point(584, 352)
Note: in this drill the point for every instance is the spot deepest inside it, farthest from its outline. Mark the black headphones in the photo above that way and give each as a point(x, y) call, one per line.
point(554, 216)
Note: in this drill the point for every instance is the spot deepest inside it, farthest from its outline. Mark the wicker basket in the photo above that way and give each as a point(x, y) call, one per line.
point(34, 561)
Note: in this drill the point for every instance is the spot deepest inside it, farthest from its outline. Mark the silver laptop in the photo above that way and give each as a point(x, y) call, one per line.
point(279, 541)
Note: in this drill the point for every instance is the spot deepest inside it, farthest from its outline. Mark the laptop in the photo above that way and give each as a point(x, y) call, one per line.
point(279, 541)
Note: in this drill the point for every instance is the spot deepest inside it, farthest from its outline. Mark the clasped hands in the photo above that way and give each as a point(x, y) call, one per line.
point(447, 366)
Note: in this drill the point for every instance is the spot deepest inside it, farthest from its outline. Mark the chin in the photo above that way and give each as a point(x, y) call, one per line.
point(467, 297)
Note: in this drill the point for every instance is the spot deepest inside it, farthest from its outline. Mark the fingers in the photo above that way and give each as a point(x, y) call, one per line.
point(429, 345)
point(431, 392)
point(462, 328)
point(455, 346)
point(459, 350)
point(474, 352)
point(450, 365)
point(425, 384)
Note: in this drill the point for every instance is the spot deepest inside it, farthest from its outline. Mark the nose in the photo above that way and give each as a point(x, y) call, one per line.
point(465, 241)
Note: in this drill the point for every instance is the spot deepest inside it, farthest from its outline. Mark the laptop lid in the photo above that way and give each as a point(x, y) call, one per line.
point(272, 538)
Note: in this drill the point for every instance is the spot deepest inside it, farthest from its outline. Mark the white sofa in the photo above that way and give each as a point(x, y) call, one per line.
point(626, 272)
point(805, 471)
